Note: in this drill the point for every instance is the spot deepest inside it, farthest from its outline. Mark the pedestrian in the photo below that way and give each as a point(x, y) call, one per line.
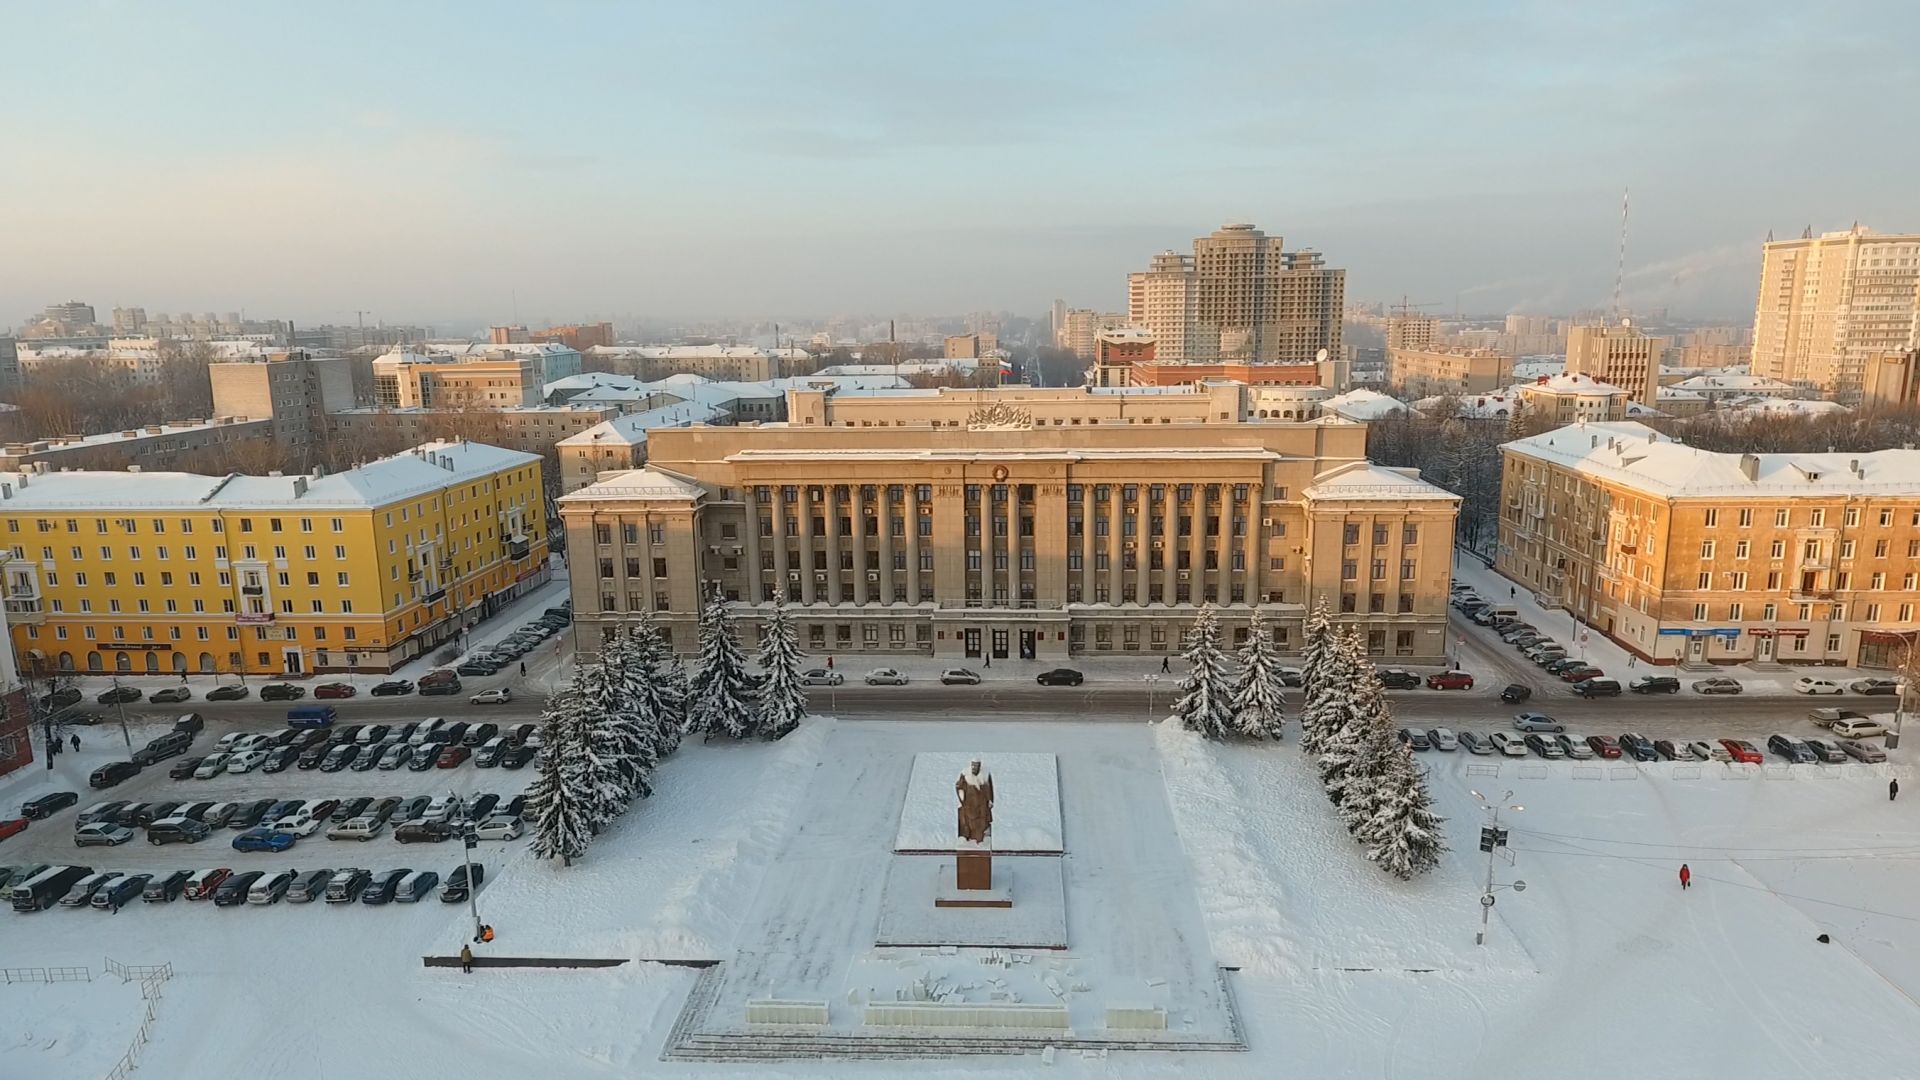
point(1512, 592)
point(1632, 658)
point(829, 663)
point(1165, 665)
point(76, 742)
point(989, 662)
point(523, 668)
point(466, 959)
point(1893, 789)
point(1686, 877)
point(486, 932)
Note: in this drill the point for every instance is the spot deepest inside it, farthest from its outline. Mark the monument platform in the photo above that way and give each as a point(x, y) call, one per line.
point(1026, 908)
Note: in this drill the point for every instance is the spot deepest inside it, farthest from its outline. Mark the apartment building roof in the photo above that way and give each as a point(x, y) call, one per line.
point(1363, 404)
point(646, 483)
point(631, 429)
point(1365, 480)
point(1639, 457)
point(1748, 384)
point(425, 468)
point(1573, 383)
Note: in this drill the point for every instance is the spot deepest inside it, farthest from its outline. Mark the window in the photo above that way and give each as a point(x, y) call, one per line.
point(1851, 517)
point(1352, 534)
point(1778, 549)
point(1712, 518)
point(1733, 612)
point(1746, 518)
point(1737, 581)
point(1846, 549)
point(1349, 570)
point(1819, 518)
point(1706, 549)
point(1703, 581)
point(1699, 613)
point(1780, 519)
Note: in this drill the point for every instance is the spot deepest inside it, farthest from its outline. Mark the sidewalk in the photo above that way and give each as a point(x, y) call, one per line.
point(919, 668)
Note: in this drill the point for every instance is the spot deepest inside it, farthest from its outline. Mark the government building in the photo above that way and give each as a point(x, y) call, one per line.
point(1072, 524)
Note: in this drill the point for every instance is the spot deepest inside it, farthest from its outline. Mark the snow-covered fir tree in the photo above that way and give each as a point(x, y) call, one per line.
point(676, 696)
point(1205, 694)
point(1317, 645)
point(1258, 708)
point(626, 671)
point(1405, 837)
point(597, 719)
point(1378, 746)
point(1341, 713)
point(721, 702)
point(559, 801)
point(666, 683)
point(783, 700)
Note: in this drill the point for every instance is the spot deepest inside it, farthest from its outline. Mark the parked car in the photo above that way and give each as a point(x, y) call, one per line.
point(499, 695)
point(1828, 715)
point(1533, 721)
point(1792, 749)
point(476, 667)
point(1859, 729)
point(299, 823)
point(1742, 751)
point(309, 886)
point(1292, 676)
point(1637, 746)
point(260, 839)
point(1450, 680)
point(99, 812)
point(368, 758)
point(1475, 744)
point(148, 813)
point(62, 698)
point(339, 757)
point(425, 756)
point(1580, 673)
point(269, 889)
point(1542, 655)
point(459, 883)
point(1807, 684)
point(170, 695)
point(81, 894)
point(500, 828)
point(1700, 750)
point(12, 826)
point(48, 805)
point(1060, 677)
point(1593, 688)
point(480, 808)
point(1555, 667)
point(1860, 751)
point(1574, 746)
point(113, 772)
point(121, 891)
point(247, 815)
point(1826, 752)
point(1545, 746)
point(246, 761)
point(219, 814)
point(517, 757)
point(393, 688)
point(228, 693)
point(416, 887)
point(1875, 686)
point(959, 677)
point(821, 677)
point(380, 889)
point(346, 884)
point(1606, 746)
point(101, 834)
point(280, 759)
point(452, 756)
point(1443, 739)
point(335, 690)
point(1515, 693)
point(1415, 740)
point(443, 681)
point(1655, 684)
point(886, 676)
point(166, 888)
point(1508, 745)
point(1398, 679)
point(280, 691)
point(120, 695)
point(1718, 684)
point(1669, 750)
point(177, 830)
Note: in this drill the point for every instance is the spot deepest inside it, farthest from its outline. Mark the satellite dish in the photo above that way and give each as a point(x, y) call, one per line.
point(1321, 356)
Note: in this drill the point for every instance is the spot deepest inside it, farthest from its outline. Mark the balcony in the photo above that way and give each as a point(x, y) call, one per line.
point(253, 590)
point(1809, 596)
point(519, 547)
point(253, 618)
point(31, 611)
point(434, 597)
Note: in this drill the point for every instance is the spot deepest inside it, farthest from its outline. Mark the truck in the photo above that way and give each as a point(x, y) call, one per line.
point(46, 888)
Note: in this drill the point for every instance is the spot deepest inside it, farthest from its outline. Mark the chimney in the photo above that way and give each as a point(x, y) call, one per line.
point(1750, 467)
point(6, 491)
point(299, 486)
point(133, 468)
point(319, 471)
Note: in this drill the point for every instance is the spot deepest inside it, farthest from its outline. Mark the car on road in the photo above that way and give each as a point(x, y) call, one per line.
point(246, 761)
point(1718, 684)
point(1741, 751)
point(886, 676)
point(1515, 693)
point(48, 805)
point(1399, 679)
point(101, 834)
point(1475, 744)
point(228, 693)
point(1443, 739)
point(1827, 752)
point(113, 772)
point(1533, 721)
point(500, 828)
point(517, 757)
point(1574, 746)
point(1859, 729)
point(441, 681)
point(1415, 740)
point(380, 889)
point(959, 676)
point(452, 756)
point(1508, 745)
point(261, 839)
point(232, 891)
point(1593, 688)
point(121, 891)
point(1545, 746)
point(499, 695)
point(1655, 684)
point(1060, 677)
point(474, 667)
point(1450, 680)
point(61, 698)
point(177, 830)
point(1606, 746)
point(1874, 686)
point(393, 688)
point(459, 883)
point(821, 677)
point(346, 884)
point(167, 888)
point(1637, 746)
point(279, 691)
point(1860, 751)
point(309, 886)
point(1807, 684)
point(1580, 673)
point(120, 695)
point(1829, 715)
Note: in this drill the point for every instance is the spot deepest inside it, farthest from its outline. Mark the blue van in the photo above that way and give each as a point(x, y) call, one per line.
point(311, 716)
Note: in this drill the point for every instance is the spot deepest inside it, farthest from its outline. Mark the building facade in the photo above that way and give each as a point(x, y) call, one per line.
point(145, 572)
point(1693, 557)
point(1623, 355)
point(971, 346)
point(721, 363)
point(579, 337)
point(1118, 352)
point(1831, 306)
point(1443, 370)
point(1411, 330)
point(157, 446)
point(1042, 543)
point(1266, 304)
point(1164, 300)
point(405, 379)
point(1083, 327)
point(295, 390)
point(1566, 399)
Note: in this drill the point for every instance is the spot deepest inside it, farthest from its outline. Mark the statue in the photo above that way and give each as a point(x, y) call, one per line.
point(974, 790)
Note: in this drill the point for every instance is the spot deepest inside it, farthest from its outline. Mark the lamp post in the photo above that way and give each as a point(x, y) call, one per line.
point(468, 840)
point(1492, 838)
point(1153, 682)
point(120, 707)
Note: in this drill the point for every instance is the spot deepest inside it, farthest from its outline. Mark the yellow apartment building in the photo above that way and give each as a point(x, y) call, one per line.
point(167, 572)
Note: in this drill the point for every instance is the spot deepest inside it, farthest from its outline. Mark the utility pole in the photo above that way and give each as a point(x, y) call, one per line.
point(1492, 838)
point(468, 840)
point(120, 707)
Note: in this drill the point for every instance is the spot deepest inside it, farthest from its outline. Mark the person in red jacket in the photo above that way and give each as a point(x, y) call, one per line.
point(1686, 877)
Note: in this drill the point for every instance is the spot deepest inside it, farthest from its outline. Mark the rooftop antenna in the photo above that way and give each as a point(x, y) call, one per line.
point(1620, 268)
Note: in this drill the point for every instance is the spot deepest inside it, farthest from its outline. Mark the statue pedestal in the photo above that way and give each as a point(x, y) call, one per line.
point(968, 883)
point(973, 869)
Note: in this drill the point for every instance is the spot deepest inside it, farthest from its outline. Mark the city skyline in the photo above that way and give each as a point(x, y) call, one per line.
point(681, 163)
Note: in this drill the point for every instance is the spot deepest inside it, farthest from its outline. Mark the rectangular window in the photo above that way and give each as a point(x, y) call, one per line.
point(1699, 613)
point(1734, 612)
point(1712, 518)
point(1706, 549)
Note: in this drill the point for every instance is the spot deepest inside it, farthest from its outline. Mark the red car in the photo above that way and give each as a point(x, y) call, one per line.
point(453, 755)
point(1450, 680)
point(1742, 751)
point(11, 826)
point(334, 690)
point(207, 882)
point(1580, 674)
point(1605, 745)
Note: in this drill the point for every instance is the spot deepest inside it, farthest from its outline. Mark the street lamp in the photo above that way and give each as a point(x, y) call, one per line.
point(1492, 838)
point(120, 707)
point(469, 839)
point(1152, 683)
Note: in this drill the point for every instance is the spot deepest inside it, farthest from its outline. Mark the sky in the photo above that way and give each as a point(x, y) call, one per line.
point(426, 162)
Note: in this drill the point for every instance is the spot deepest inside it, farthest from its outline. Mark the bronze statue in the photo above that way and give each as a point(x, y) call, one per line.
point(974, 789)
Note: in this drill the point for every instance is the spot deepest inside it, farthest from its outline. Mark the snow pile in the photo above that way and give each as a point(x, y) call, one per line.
point(1026, 802)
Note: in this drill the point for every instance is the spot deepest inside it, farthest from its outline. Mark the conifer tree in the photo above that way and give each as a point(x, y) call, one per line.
point(783, 700)
point(559, 800)
point(1317, 645)
point(634, 695)
point(721, 702)
point(1205, 694)
point(1404, 837)
point(1341, 713)
point(1258, 708)
point(601, 745)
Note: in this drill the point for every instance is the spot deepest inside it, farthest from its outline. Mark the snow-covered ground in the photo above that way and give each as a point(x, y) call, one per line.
point(1180, 854)
point(1026, 802)
point(62, 1029)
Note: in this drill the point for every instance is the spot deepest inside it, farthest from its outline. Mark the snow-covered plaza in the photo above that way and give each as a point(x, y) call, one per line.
point(1209, 880)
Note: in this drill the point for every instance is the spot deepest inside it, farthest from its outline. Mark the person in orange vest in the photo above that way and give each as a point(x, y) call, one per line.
point(486, 933)
point(1686, 877)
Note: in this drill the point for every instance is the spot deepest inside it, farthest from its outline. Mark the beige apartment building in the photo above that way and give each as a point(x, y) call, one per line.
point(971, 346)
point(1833, 305)
point(295, 390)
point(1411, 330)
point(1267, 305)
point(1083, 326)
point(1008, 539)
point(1568, 399)
point(1164, 300)
point(1688, 556)
point(1445, 370)
point(721, 363)
point(404, 379)
point(1622, 355)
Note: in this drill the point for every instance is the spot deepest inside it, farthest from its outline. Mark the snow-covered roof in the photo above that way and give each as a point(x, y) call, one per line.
point(631, 429)
point(1573, 383)
point(1642, 458)
point(647, 483)
point(974, 453)
point(1365, 480)
point(1675, 393)
point(1493, 405)
point(1363, 404)
point(1782, 406)
point(425, 468)
point(964, 366)
point(1635, 410)
point(695, 352)
point(1734, 384)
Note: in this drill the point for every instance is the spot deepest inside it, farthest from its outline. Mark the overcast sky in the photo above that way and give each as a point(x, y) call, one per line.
point(425, 162)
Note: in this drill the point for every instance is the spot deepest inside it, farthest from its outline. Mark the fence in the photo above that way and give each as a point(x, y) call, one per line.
point(45, 975)
point(152, 977)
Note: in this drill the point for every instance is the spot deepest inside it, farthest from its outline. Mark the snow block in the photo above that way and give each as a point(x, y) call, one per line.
point(967, 1015)
point(1136, 1018)
point(785, 1011)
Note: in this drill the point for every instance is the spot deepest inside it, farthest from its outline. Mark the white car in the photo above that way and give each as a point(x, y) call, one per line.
point(1701, 751)
point(886, 676)
point(1859, 729)
point(426, 728)
point(821, 677)
point(1509, 745)
point(500, 828)
point(211, 766)
point(228, 740)
point(299, 824)
point(1541, 722)
point(1810, 685)
point(959, 676)
point(101, 833)
point(499, 695)
point(1443, 739)
point(246, 761)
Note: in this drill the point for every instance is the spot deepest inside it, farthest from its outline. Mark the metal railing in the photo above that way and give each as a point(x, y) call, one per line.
point(44, 974)
point(152, 978)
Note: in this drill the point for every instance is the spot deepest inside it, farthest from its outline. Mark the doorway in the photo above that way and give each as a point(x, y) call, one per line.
point(295, 665)
point(1696, 648)
point(999, 644)
point(1027, 649)
point(1763, 648)
point(972, 640)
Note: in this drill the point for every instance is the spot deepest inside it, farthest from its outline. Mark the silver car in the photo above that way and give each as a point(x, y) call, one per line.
point(821, 677)
point(1860, 751)
point(1574, 747)
point(1474, 744)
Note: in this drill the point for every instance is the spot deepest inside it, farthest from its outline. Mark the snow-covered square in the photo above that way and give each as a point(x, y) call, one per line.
point(1026, 802)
